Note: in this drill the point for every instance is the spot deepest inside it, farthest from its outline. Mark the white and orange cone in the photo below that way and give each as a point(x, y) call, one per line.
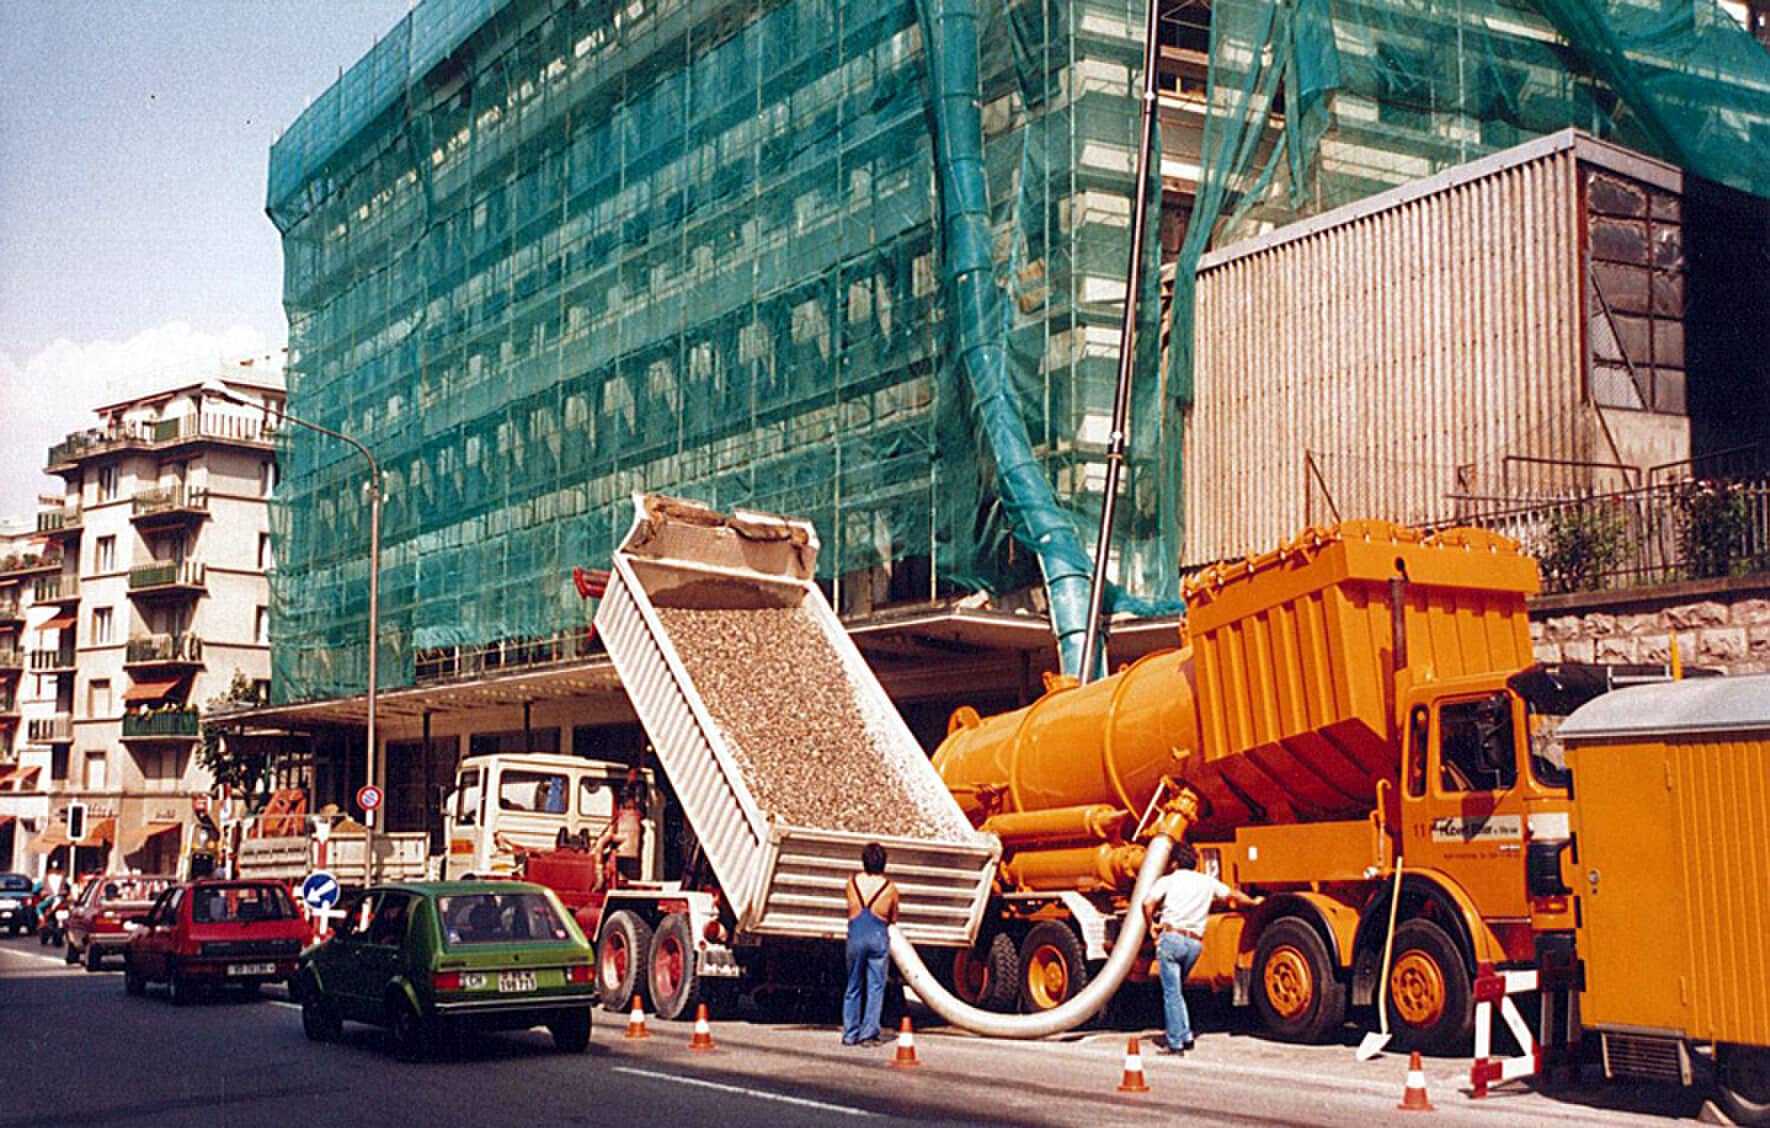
point(1413, 1098)
point(636, 1020)
point(1133, 1081)
point(703, 1032)
point(906, 1046)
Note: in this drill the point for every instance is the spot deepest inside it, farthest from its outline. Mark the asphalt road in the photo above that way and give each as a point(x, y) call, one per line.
point(74, 1050)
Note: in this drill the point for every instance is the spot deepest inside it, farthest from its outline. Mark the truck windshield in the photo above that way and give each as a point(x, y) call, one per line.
point(1551, 694)
point(500, 918)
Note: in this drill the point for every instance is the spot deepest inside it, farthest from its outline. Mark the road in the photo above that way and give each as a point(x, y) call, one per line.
point(77, 1051)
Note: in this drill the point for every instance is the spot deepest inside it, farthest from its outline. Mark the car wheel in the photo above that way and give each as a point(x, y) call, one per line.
point(70, 955)
point(571, 1031)
point(1053, 966)
point(621, 954)
point(675, 984)
point(94, 957)
point(133, 983)
point(319, 1019)
point(43, 937)
point(1430, 998)
point(181, 990)
point(411, 1036)
point(1296, 991)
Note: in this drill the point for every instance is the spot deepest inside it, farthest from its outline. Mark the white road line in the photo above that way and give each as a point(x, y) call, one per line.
point(281, 1003)
point(58, 960)
point(759, 1094)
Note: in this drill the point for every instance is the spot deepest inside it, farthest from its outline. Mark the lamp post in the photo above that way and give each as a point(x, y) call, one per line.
point(216, 388)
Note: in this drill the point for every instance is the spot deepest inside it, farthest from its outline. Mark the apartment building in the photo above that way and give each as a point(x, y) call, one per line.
point(24, 807)
point(151, 600)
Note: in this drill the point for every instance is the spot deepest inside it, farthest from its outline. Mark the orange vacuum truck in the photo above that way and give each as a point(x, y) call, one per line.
point(1359, 706)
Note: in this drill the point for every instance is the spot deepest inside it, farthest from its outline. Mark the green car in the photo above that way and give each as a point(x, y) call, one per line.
point(423, 958)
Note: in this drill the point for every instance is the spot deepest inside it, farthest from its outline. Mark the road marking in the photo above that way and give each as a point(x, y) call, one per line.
point(759, 1094)
point(281, 1003)
point(57, 960)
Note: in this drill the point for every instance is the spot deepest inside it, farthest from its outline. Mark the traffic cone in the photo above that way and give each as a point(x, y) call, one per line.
point(636, 1020)
point(1133, 1082)
point(703, 1033)
point(1413, 1098)
point(906, 1045)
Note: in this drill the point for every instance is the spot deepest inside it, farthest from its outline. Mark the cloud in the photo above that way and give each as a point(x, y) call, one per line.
point(54, 392)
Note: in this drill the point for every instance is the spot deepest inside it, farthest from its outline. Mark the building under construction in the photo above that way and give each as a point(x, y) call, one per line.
point(863, 263)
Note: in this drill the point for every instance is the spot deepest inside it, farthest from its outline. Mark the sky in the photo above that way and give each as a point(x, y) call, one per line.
point(134, 141)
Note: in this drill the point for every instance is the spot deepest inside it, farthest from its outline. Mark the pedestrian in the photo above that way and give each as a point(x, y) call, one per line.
point(872, 907)
point(1176, 909)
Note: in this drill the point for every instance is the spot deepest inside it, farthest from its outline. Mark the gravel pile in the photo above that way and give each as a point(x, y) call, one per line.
point(803, 741)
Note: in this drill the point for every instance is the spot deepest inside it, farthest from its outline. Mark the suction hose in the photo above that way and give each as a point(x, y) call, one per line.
point(1069, 1015)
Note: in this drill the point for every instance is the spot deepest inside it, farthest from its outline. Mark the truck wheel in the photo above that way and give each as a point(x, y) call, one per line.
point(1429, 1001)
point(1296, 991)
point(620, 960)
point(1743, 1084)
point(988, 975)
point(1053, 966)
point(675, 984)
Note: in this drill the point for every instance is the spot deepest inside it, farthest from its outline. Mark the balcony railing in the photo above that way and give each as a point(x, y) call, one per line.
point(174, 723)
point(171, 500)
point(51, 661)
point(186, 648)
point(160, 433)
point(166, 574)
point(11, 659)
point(8, 704)
point(63, 520)
point(56, 589)
point(58, 729)
point(19, 565)
point(11, 608)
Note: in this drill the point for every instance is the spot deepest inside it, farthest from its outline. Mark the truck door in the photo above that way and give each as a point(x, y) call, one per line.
point(1466, 811)
point(463, 826)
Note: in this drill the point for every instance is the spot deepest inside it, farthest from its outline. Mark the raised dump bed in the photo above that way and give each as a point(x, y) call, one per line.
point(785, 752)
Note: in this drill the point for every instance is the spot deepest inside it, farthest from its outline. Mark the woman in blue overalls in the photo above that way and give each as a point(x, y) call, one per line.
point(872, 905)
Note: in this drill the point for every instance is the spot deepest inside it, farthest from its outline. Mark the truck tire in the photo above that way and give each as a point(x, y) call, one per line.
point(1053, 966)
point(988, 975)
point(1743, 1084)
point(1296, 989)
point(1430, 1000)
point(621, 954)
point(674, 982)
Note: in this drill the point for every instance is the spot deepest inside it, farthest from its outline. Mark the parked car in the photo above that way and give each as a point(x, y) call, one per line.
point(430, 958)
point(213, 934)
point(96, 923)
point(18, 903)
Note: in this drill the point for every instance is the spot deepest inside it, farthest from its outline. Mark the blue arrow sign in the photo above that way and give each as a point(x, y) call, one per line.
point(320, 890)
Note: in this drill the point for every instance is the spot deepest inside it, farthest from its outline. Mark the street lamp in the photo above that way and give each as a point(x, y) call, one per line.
point(214, 387)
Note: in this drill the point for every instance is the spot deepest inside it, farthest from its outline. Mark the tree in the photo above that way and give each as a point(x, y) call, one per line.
point(236, 765)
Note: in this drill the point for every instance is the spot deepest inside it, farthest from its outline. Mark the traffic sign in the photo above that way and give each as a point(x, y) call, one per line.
point(320, 890)
point(368, 798)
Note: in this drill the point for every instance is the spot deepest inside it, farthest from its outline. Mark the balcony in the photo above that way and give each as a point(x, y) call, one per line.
point(58, 729)
point(161, 434)
point(165, 724)
point(57, 523)
point(164, 650)
point(12, 610)
point(170, 505)
point(56, 589)
point(58, 661)
point(29, 564)
point(12, 661)
point(167, 579)
point(9, 708)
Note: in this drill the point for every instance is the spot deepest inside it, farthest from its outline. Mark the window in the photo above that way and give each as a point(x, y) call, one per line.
point(493, 918)
point(104, 555)
point(1475, 745)
point(264, 564)
point(535, 792)
point(595, 800)
point(1418, 730)
point(467, 799)
point(242, 904)
point(95, 771)
point(101, 625)
point(388, 917)
point(98, 697)
point(267, 479)
point(261, 626)
point(107, 483)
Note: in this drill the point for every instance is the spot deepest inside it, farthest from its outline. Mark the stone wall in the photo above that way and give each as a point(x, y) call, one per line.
point(1723, 624)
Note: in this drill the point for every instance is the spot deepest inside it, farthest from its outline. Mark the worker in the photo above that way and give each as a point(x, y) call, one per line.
point(872, 908)
point(1176, 909)
point(629, 826)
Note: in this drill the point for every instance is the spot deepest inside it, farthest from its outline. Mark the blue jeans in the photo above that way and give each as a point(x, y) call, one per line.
point(1175, 954)
point(862, 1003)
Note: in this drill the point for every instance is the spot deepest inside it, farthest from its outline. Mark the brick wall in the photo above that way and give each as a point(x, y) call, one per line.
point(1724, 624)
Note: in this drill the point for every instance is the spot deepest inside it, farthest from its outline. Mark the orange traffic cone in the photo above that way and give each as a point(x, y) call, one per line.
point(1413, 1098)
point(906, 1045)
point(703, 1033)
point(636, 1020)
point(1133, 1082)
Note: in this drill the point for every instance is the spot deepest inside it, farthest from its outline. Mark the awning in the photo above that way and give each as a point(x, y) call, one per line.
point(20, 778)
point(59, 623)
point(150, 690)
point(136, 837)
point(55, 836)
point(4, 819)
point(99, 831)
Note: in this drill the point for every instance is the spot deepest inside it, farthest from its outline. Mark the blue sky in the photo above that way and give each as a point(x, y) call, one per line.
point(134, 138)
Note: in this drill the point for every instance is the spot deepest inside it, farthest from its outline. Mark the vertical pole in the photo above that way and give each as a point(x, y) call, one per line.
point(374, 646)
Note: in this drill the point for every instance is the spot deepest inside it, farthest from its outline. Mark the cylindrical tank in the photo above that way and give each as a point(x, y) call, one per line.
point(1283, 708)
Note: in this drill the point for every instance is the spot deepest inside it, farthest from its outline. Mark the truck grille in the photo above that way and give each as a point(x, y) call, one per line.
point(1646, 1057)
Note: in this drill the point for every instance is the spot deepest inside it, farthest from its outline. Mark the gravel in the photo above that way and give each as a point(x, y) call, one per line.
point(802, 737)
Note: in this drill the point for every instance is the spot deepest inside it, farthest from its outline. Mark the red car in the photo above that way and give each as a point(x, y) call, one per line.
point(97, 923)
point(215, 933)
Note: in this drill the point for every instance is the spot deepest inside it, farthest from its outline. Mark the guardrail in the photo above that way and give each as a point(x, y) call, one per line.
point(165, 499)
point(58, 729)
point(166, 722)
point(167, 573)
point(56, 589)
point(164, 648)
point(160, 433)
point(43, 661)
point(64, 519)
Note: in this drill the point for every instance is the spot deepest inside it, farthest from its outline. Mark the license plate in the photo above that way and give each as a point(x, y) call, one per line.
point(516, 981)
point(252, 969)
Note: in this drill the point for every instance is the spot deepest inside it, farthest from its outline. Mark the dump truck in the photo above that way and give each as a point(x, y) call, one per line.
point(284, 842)
point(1355, 713)
point(786, 758)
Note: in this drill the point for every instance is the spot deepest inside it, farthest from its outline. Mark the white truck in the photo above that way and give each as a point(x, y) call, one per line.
point(508, 804)
point(285, 843)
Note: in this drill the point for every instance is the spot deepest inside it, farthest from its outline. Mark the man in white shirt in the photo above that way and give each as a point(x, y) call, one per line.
point(1176, 909)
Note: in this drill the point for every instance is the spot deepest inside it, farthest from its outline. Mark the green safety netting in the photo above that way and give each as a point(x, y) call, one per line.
point(776, 253)
point(1378, 93)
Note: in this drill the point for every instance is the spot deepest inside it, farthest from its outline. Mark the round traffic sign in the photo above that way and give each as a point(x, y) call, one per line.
point(320, 890)
point(368, 798)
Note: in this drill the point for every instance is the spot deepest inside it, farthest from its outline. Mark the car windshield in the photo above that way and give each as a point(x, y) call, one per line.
point(132, 888)
point(241, 904)
point(14, 883)
point(500, 918)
